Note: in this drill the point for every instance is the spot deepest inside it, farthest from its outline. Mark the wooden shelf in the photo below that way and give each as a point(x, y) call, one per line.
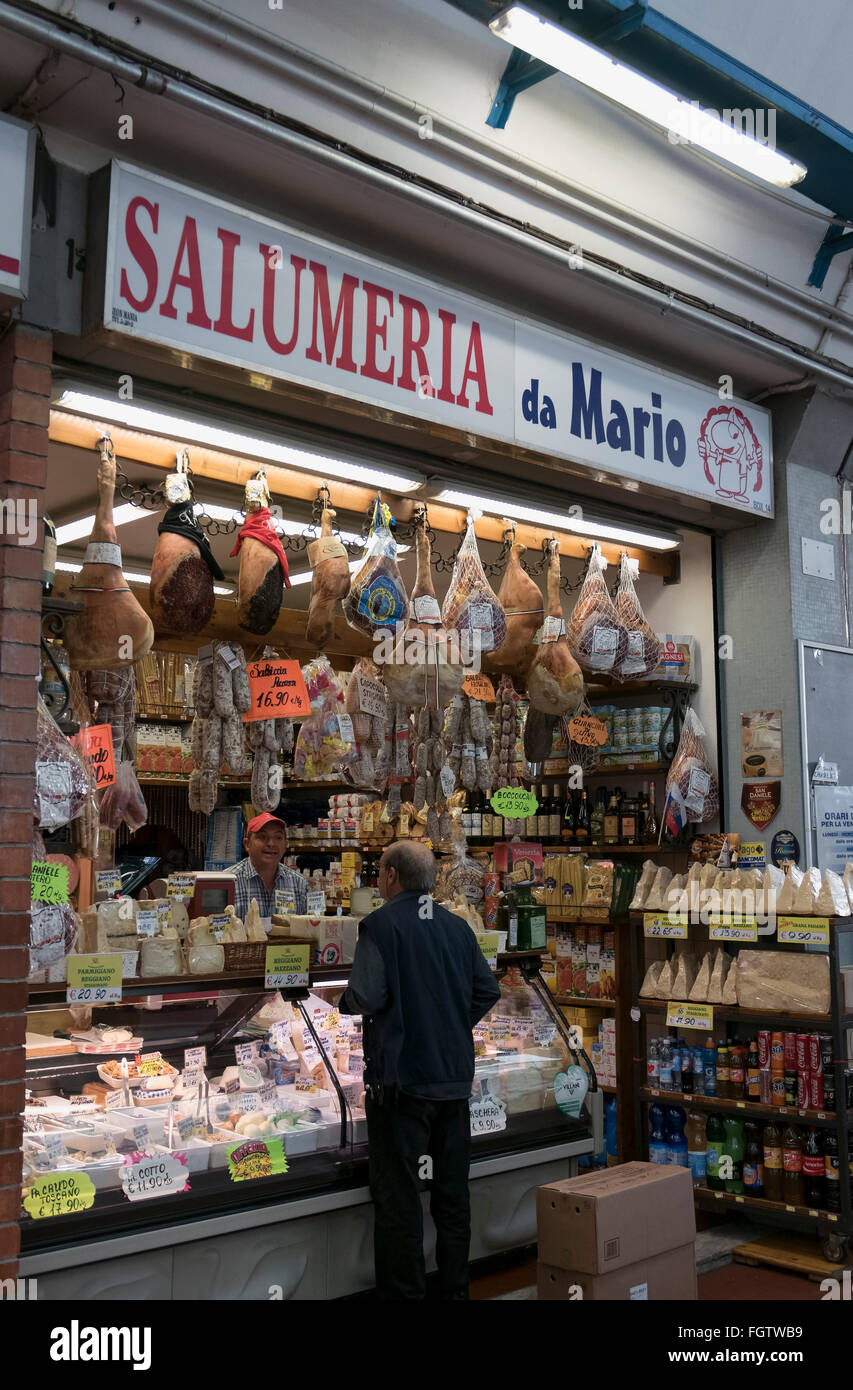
point(595, 690)
point(145, 781)
point(615, 769)
point(608, 1090)
point(732, 1011)
point(577, 1001)
point(746, 1108)
point(606, 851)
point(707, 1197)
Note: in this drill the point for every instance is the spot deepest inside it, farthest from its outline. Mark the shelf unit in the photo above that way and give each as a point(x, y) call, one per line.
point(835, 1228)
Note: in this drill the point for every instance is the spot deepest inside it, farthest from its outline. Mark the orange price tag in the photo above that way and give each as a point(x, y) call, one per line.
point(585, 730)
point(479, 687)
point(96, 746)
point(278, 691)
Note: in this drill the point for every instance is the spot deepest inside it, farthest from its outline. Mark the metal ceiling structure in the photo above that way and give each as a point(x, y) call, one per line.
point(643, 38)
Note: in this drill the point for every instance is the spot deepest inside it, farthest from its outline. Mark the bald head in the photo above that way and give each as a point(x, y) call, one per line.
point(407, 866)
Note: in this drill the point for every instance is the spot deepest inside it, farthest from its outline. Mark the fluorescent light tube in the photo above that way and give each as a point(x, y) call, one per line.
point(78, 530)
point(309, 574)
point(687, 121)
point(580, 526)
point(133, 577)
point(288, 528)
point(189, 431)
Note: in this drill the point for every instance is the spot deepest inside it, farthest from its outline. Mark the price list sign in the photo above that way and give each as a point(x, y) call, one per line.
point(286, 967)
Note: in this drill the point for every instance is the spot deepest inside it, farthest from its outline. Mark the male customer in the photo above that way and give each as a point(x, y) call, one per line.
point(263, 873)
point(420, 980)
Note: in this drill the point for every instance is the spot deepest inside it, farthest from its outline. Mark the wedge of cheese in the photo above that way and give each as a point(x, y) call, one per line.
point(787, 894)
point(730, 984)
point(699, 989)
point(646, 879)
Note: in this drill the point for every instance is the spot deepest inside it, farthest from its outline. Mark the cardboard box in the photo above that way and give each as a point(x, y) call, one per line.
point(671, 1275)
point(522, 861)
point(604, 1221)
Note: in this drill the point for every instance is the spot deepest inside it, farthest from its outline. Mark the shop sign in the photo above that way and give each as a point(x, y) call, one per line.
point(17, 162)
point(760, 802)
point(834, 826)
point(205, 278)
point(570, 1088)
point(256, 1158)
point(59, 1194)
point(681, 1015)
point(93, 979)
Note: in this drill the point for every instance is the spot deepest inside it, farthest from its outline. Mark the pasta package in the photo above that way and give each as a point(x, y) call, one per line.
point(598, 888)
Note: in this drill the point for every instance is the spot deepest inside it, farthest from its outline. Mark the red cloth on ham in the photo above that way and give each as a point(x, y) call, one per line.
point(258, 526)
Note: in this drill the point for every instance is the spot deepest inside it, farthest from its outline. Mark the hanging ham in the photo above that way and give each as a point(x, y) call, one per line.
point(555, 682)
point(182, 574)
point(421, 673)
point(330, 584)
point(521, 600)
point(263, 572)
point(113, 630)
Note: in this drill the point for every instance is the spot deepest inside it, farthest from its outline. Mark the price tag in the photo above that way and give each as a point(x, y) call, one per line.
point(479, 687)
point(54, 1147)
point(232, 1086)
point(285, 902)
point(141, 1136)
point(193, 1079)
point(286, 967)
point(267, 1093)
point(245, 1053)
point(107, 881)
point(83, 1104)
point(229, 656)
point(734, 930)
point(278, 691)
point(59, 1194)
point(180, 886)
point(355, 1064)
point(809, 931)
point(587, 731)
point(544, 1034)
point(96, 746)
point(681, 1015)
point(249, 1100)
point(655, 924)
point(488, 942)
point(49, 883)
point(487, 1116)
point(113, 1099)
point(195, 1058)
point(371, 696)
point(185, 1126)
point(316, 905)
point(516, 803)
point(345, 728)
point(154, 1177)
point(147, 921)
point(93, 980)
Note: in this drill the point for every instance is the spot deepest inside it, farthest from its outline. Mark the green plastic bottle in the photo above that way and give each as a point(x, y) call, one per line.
point(715, 1143)
point(735, 1146)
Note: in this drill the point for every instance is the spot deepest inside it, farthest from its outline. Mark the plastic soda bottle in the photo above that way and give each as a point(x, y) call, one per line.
point(697, 1155)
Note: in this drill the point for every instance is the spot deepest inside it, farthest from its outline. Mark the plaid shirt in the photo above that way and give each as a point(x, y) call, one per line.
point(250, 885)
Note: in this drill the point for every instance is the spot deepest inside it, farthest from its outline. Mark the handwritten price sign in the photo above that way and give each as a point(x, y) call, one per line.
point(516, 803)
point(487, 1116)
point(655, 925)
point(679, 1015)
point(588, 732)
point(806, 931)
point(49, 883)
point(479, 687)
point(96, 746)
point(278, 691)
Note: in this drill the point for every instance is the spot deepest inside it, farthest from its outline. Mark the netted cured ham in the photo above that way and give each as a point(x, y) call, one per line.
point(521, 600)
point(330, 583)
point(471, 607)
point(423, 672)
point(377, 595)
point(596, 635)
point(644, 649)
point(555, 682)
point(113, 629)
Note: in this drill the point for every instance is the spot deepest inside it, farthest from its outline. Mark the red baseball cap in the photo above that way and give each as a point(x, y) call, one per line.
point(258, 823)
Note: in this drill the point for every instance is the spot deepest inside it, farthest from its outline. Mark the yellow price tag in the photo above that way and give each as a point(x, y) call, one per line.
point(657, 924)
point(58, 1194)
point(489, 946)
point(681, 1015)
point(734, 929)
point(93, 979)
point(807, 931)
point(286, 967)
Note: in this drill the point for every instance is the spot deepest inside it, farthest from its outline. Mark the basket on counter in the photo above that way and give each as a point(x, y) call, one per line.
point(249, 956)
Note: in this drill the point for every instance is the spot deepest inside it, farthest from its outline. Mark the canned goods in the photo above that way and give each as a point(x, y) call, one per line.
point(777, 1052)
point(802, 1090)
point(802, 1052)
point(829, 1091)
point(777, 1088)
point(491, 885)
point(619, 736)
point(790, 1052)
point(764, 1048)
point(790, 1087)
point(815, 1058)
point(490, 914)
point(816, 1090)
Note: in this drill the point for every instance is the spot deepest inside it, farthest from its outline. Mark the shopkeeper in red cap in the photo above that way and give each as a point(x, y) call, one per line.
point(262, 875)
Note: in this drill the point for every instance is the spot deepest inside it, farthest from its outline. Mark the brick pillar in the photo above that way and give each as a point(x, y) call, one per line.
point(25, 358)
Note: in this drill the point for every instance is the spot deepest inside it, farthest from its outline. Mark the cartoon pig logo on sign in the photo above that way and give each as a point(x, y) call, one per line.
point(730, 453)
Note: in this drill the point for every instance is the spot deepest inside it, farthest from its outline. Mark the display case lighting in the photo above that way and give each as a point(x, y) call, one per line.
point(134, 576)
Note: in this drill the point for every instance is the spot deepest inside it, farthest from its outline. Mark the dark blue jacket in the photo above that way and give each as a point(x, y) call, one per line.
point(436, 986)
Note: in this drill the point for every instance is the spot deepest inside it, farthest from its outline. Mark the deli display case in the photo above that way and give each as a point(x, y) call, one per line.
point(210, 1139)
